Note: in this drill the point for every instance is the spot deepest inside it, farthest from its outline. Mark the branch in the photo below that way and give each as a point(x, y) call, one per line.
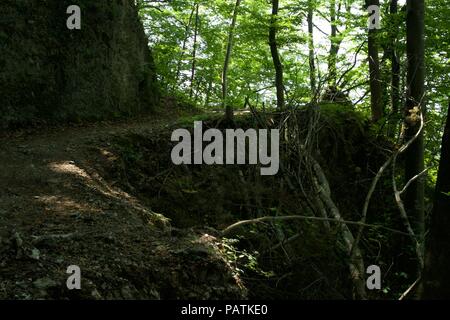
point(414, 179)
point(356, 262)
point(398, 194)
point(242, 223)
point(405, 294)
point(368, 198)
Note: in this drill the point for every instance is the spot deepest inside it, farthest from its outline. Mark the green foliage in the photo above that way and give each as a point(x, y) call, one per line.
point(251, 73)
point(241, 260)
point(188, 121)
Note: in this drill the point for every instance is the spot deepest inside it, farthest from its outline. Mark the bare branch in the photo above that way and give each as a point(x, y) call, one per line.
point(406, 293)
point(414, 179)
point(228, 230)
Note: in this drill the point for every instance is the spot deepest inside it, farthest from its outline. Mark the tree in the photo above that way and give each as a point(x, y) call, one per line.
point(334, 48)
point(279, 85)
point(312, 64)
point(414, 157)
point(186, 37)
point(194, 50)
point(395, 60)
point(436, 283)
point(227, 107)
point(393, 53)
point(374, 70)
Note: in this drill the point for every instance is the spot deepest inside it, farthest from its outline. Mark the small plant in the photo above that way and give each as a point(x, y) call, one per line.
point(241, 261)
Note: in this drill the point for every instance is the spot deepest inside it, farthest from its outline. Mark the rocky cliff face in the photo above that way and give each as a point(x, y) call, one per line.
point(49, 73)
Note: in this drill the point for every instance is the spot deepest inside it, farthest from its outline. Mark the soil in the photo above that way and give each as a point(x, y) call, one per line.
point(57, 210)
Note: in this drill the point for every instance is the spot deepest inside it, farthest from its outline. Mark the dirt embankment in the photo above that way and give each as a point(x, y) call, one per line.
point(49, 73)
point(57, 210)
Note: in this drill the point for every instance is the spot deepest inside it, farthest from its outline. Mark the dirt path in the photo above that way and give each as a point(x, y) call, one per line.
point(57, 210)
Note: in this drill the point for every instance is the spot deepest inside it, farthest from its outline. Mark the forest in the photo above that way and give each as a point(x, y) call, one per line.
point(225, 150)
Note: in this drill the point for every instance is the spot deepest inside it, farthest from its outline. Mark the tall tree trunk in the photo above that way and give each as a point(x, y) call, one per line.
point(395, 69)
point(414, 157)
point(376, 93)
point(194, 51)
point(229, 109)
point(436, 284)
point(275, 55)
point(395, 61)
point(197, 92)
point(334, 48)
point(208, 92)
point(183, 49)
point(312, 64)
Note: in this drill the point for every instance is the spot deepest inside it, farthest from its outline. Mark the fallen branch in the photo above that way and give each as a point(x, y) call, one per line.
point(242, 223)
point(368, 199)
point(356, 262)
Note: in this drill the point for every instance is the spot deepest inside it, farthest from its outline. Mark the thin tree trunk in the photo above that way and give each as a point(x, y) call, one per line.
point(275, 55)
point(186, 32)
point(197, 92)
point(228, 109)
point(395, 61)
point(395, 69)
point(376, 93)
point(312, 64)
point(194, 51)
point(334, 48)
point(208, 92)
point(414, 157)
point(436, 284)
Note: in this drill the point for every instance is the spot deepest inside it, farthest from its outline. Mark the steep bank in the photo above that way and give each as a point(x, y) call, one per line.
point(49, 73)
point(57, 209)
